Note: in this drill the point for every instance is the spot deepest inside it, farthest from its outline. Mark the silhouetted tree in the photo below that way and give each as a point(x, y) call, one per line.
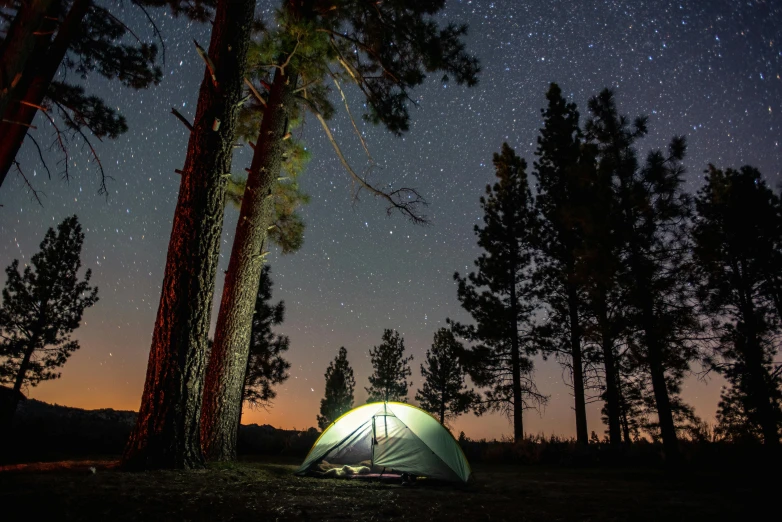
point(444, 393)
point(340, 385)
point(266, 366)
point(738, 227)
point(562, 176)
point(167, 432)
point(41, 308)
point(386, 49)
point(388, 381)
point(499, 295)
point(654, 212)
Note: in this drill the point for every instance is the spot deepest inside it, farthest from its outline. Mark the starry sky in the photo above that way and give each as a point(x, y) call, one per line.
point(708, 70)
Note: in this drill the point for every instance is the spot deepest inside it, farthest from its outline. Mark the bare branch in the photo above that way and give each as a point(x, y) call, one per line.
point(33, 193)
point(61, 143)
point(40, 154)
point(182, 119)
point(350, 115)
point(208, 61)
point(395, 199)
point(103, 189)
point(155, 28)
point(23, 124)
point(255, 91)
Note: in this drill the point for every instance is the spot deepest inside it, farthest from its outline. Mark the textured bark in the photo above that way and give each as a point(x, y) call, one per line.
point(21, 44)
point(167, 432)
point(582, 436)
point(37, 80)
point(9, 409)
point(228, 360)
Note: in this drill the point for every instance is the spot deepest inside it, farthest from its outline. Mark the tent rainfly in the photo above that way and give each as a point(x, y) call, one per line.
point(395, 436)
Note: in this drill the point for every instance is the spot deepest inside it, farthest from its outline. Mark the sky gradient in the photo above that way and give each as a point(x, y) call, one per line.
point(708, 70)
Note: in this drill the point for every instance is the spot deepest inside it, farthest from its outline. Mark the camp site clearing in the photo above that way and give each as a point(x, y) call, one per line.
point(268, 490)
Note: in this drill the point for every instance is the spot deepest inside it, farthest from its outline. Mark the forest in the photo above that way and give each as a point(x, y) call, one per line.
point(602, 254)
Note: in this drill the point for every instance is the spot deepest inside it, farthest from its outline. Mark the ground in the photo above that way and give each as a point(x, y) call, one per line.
point(267, 490)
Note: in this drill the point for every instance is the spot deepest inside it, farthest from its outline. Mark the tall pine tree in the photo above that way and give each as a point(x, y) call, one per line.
point(386, 49)
point(499, 296)
point(653, 215)
point(340, 385)
point(391, 369)
point(562, 175)
point(41, 308)
point(167, 431)
point(444, 393)
point(738, 227)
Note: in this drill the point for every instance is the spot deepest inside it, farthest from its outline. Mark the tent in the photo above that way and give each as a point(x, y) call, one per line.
point(393, 436)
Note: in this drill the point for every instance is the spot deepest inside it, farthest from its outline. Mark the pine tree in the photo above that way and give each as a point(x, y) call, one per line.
point(500, 295)
point(388, 381)
point(444, 393)
point(167, 432)
point(340, 386)
point(386, 49)
point(266, 366)
point(562, 175)
point(41, 308)
point(80, 37)
point(738, 226)
point(653, 215)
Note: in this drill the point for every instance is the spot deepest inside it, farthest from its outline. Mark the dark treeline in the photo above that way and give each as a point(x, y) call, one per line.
point(630, 282)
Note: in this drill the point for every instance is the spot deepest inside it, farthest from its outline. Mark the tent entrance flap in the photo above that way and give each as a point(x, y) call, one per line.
point(355, 448)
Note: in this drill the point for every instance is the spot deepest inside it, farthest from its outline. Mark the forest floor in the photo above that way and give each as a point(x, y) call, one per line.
point(266, 490)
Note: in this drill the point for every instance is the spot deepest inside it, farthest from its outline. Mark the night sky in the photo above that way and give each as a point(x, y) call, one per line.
point(708, 70)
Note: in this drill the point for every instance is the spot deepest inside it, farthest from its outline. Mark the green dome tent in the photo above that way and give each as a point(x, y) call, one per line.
point(393, 435)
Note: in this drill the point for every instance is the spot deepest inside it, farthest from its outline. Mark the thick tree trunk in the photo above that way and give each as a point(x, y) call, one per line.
point(167, 432)
point(225, 374)
point(612, 388)
point(20, 45)
point(582, 435)
point(38, 78)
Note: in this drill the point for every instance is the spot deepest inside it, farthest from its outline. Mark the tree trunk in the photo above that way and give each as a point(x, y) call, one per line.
point(167, 433)
point(515, 358)
point(38, 78)
point(759, 394)
point(10, 408)
point(609, 362)
point(224, 379)
point(582, 435)
point(20, 45)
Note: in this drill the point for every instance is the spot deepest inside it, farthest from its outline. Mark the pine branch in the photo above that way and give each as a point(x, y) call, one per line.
point(182, 119)
point(350, 115)
point(60, 141)
point(103, 189)
point(155, 28)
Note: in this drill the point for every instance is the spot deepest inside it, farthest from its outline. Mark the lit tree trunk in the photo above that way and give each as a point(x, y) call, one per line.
point(225, 374)
point(36, 85)
point(582, 436)
point(21, 44)
point(167, 433)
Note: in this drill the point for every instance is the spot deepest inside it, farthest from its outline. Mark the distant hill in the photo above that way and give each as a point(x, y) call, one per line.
point(43, 432)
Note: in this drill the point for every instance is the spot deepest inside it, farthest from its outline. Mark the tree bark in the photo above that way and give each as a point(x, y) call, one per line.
point(20, 45)
point(582, 435)
point(167, 433)
point(10, 408)
point(225, 374)
point(38, 78)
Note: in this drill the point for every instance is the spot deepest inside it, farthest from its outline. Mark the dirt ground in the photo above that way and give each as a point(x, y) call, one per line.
point(267, 490)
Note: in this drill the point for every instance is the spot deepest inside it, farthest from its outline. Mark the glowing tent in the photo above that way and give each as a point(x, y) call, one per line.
point(394, 436)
